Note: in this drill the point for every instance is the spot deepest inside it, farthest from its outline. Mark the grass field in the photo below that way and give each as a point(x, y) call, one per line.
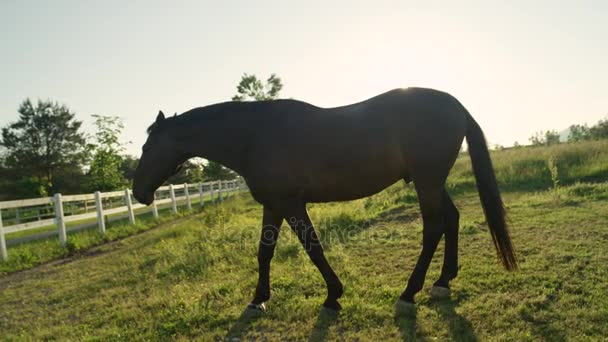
point(27, 255)
point(192, 279)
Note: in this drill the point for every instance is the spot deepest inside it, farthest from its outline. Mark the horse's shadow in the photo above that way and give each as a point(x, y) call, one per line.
point(242, 324)
point(325, 319)
point(460, 327)
point(405, 320)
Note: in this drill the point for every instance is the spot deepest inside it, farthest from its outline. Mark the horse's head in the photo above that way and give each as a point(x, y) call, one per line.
point(160, 158)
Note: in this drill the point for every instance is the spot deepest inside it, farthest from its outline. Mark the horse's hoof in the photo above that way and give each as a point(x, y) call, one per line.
point(440, 292)
point(332, 305)
point(257, 307)
point(403, 307)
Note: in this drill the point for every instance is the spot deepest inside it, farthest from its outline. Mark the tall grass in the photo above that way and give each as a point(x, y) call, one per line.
point(527, 168)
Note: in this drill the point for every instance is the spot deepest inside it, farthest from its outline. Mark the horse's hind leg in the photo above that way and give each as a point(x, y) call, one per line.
point(450, 257)
point(431, 205)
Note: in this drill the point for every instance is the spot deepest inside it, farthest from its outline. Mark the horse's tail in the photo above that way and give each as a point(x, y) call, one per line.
point(489, 194)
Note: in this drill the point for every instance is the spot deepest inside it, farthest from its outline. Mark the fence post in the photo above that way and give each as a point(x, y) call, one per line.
point(200, 193)
point(101, 223)
point(219, 191)
point(129, 206)
point(59, 219)
point(2, 241)
point(173, 202)
point(154, 207)
point(212, 191)
point(187, 193)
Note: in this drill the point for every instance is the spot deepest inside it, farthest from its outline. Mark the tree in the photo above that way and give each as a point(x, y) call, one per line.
point(190, 172)
point(252, 89)
point(578, 133)
point(545, 138)
point(215, 171)
point(551, 138)
point(537, 139)
point(105, 173)
point(599, 130)
point(45, 140)
point(584, 132)
point(128, 166)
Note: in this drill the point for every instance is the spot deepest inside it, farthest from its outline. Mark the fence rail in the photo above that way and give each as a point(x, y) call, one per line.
point(59, 210)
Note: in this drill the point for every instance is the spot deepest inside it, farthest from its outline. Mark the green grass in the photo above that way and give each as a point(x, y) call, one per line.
point(191, 280)
point(30, 254)
point(527, 168)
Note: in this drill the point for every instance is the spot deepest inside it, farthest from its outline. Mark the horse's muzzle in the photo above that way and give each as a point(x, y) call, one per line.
point(144, 198)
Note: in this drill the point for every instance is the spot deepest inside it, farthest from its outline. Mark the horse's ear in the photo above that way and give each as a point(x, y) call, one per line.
point(160, 117)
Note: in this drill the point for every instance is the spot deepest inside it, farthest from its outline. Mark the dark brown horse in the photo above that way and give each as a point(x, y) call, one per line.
point(292, 153)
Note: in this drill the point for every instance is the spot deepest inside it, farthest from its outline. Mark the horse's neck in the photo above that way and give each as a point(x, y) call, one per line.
point(221, 140)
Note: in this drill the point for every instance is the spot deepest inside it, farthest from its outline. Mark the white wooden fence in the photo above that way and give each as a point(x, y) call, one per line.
point(105, 203)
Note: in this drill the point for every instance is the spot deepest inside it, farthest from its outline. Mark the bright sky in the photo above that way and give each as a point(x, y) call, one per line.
point(518, 66)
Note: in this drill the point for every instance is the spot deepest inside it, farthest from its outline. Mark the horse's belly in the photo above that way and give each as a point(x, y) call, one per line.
point(330, 187)
point(339, 194)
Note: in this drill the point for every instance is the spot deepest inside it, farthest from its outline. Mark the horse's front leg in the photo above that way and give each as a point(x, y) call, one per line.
point(300, 223)
point(271, 225)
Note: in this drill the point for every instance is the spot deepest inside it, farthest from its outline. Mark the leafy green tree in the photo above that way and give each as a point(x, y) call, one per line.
point(251, 88)
point(105, 173)
point(545, 138)
point(215, 171)
point(44, 141)
point(578, 133)
point(599, 130)
point(71, 181)
point(128, 166)
point(551, 138)
point(191, 172)
point(584, 132)
point(27, 187)
point(537, 139)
